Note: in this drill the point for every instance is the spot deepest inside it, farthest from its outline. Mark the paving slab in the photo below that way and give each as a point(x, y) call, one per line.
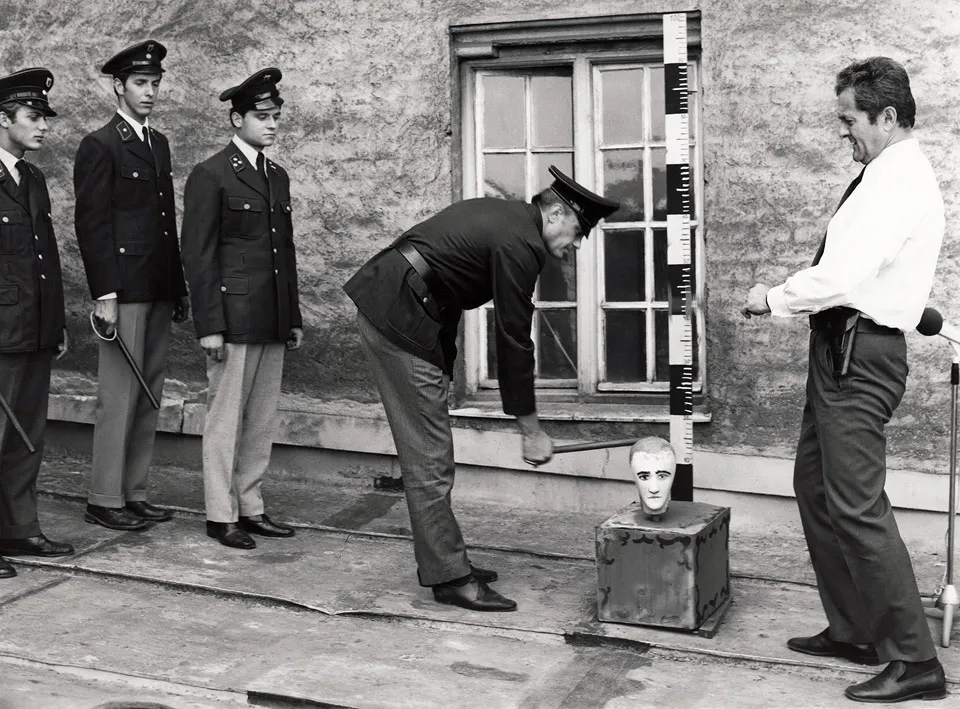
point(198, 643)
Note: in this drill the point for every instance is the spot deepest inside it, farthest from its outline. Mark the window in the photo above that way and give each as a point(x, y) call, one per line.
point(588, 97)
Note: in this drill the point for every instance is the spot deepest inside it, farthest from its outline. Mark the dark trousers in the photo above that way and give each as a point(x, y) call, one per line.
point(414, 395)
point(25, 384)
point(866, 581)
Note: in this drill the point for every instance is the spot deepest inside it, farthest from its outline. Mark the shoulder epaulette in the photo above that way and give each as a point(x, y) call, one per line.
point(125, 131)
point(237, 161)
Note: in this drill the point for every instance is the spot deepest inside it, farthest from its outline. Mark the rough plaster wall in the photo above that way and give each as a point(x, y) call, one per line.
point(367, 142)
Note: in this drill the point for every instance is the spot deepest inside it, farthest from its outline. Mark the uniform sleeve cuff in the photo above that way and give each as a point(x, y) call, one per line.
point(108, 296)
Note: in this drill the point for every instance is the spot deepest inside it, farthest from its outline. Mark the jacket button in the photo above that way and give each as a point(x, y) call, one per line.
point(136, 174)
point(246, 206)
point(274, 251)
point(43, 277)
point(223, 288)
point(6, 219)
point(425, 300)
point(40, 256)
point(123, 250)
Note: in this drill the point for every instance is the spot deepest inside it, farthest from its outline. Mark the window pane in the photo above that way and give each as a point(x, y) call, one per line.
point(658, 121)
point(622, 104)
point(552, 98)
point(503, 109)
point(558, 279)
point(626, 336)
point(557, 344)
point(623, 181)
point(542, 161)
point(491, 343)
point(658, 166)
point(623, 265)
point(503, 176)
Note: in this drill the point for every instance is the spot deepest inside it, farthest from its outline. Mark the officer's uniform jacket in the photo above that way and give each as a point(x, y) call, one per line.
point(31, 289)
point(238, 251)
point(125, 215)
point(479, 249)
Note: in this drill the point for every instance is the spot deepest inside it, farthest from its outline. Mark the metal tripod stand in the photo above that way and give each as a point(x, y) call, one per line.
point(948, 599)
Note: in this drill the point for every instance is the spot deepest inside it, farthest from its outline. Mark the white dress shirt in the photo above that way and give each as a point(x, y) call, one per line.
point(139, 129)
point(882, 245)
point(249, 152)
point(10, 162)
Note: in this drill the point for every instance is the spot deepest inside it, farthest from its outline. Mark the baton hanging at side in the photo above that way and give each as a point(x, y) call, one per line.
point(129, 357)
point(16, 424)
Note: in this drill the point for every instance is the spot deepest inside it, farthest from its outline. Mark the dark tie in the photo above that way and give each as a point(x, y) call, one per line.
point(24, 186)
point(262, 165)
point(850, 188)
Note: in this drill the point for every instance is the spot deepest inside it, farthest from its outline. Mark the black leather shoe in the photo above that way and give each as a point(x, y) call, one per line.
point(264, 526)
point(230, 535)
point(34, 546)
point(114, 518)
point(6, 569)
point(887, 686)
point(483, 575)
point(821, 645)
point(474, 595)
point(151, 513)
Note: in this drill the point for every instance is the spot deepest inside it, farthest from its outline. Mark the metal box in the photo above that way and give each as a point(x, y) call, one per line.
point(671, 573)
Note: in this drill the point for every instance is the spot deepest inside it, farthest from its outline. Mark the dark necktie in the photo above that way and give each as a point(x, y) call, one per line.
point(850, 188)
point(262, 169)
point(24, 186)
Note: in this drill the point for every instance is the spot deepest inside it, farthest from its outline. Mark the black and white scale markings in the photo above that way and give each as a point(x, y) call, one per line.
point(680, 273)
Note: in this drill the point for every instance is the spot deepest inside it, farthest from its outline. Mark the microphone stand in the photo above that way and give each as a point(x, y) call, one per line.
point(949, 599)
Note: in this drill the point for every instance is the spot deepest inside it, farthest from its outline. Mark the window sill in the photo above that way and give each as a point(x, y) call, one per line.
point(579, 411)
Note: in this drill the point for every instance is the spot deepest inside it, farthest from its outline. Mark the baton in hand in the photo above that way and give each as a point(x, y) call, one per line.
point(16, 424)
point(126, 353)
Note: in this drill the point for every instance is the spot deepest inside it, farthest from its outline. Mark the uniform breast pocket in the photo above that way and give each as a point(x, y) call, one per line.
point(135, 183)
point(13, 237)
point(244, 217)
point(407, 313)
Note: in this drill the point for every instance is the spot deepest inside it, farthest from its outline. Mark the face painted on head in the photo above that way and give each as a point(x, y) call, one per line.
point(653, 472)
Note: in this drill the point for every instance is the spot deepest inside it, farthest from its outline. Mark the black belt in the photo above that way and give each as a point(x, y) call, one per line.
point(414, 258)
point(834, 320)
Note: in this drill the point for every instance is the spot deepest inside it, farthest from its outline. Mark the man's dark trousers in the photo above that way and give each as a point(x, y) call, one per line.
point(866, 581)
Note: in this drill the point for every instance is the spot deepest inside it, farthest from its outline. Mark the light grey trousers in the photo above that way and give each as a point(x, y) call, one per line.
point(414, 395)
point(126, 423)
point(242, 395)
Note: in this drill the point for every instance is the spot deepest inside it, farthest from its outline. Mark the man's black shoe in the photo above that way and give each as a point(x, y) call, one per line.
point(474, 595)
point(821, 645)
point(114, 518)
point(151, 513)
point(34, 546)
point(887, 686)
point(6, 569)
point(483, 575)
point(264, 526)
point(230, 535)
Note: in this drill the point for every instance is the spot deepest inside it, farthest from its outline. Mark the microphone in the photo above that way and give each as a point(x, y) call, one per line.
point(931, 323)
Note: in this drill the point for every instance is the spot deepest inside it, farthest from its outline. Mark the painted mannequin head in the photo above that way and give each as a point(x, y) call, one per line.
point(653, 463)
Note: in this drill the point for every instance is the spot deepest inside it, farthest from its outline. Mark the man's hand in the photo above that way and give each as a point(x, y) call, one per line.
point(756, 303)
point(537, 445)
point(106, 313)
point(63, 346)
point(213, 346)
point(181, 308)
point(295, 339)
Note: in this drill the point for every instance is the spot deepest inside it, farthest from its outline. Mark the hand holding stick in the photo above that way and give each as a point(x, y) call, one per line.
point(126, 353)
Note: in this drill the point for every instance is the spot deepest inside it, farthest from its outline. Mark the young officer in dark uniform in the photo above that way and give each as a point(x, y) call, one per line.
point(410, 298)
point(127, 232)
point(240, 262)
point(31, 311)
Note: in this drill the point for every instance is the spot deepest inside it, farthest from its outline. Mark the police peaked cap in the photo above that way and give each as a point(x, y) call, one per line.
point(590, 208)
point(30, 88)
point(261, 88)
point(141, 58)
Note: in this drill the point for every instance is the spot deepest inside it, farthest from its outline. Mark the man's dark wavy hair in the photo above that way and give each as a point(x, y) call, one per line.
point(879, 82)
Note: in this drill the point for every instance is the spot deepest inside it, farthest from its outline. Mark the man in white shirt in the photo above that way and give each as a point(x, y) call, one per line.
point(127, 232)
point(869, 282)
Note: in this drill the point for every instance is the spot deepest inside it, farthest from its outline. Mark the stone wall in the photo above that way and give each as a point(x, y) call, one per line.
point(367, 140)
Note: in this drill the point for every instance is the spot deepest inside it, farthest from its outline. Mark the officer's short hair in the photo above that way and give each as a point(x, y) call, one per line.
point(548, 198)
point(879, 82)
point(9, 109)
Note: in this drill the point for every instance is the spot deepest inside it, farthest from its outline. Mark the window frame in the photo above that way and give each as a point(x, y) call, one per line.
point(586, 45)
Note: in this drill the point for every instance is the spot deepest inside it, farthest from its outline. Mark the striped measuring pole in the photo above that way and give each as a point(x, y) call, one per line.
point(680, 272)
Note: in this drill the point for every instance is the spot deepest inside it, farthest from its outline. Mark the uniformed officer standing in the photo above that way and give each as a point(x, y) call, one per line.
point(410, 298)
point(127, 232)
point(239, 258)
point(31, 311)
